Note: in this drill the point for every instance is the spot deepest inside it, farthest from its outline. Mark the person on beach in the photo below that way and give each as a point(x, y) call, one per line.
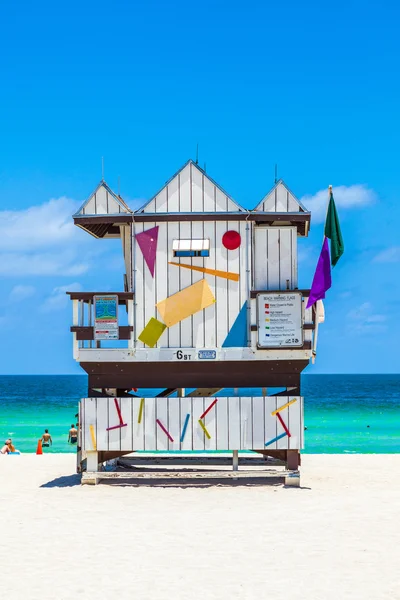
point(46, 439)
point(6, 448)
point(73, 434)
point(9, 448)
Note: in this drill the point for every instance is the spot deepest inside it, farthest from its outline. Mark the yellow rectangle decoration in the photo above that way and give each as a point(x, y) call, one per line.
point(224, 274)
point(185, 303)
point(152, 332)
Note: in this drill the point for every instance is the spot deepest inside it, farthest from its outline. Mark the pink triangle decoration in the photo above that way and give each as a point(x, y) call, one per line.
point(147, 241)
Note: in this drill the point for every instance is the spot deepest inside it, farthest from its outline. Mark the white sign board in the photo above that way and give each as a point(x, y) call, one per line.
point(279, 320)
point(106, 318)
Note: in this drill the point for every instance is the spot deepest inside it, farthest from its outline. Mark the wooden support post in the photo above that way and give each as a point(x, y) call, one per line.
point(75, 322)
point(181, 392)
point(292, 478)
point(92, 466)
point(131, 322)
point(235, 460)
point(293, 460)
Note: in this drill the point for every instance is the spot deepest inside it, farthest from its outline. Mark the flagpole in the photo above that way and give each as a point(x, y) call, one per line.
point(326, 211)
point(314, 347)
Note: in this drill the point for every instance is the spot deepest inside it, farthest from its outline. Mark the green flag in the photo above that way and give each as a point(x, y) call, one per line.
point(332, 231)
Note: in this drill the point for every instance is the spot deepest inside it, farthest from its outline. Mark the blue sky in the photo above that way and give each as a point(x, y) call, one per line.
point(311, 87)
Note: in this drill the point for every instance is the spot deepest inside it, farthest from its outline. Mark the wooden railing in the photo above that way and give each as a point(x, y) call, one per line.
point(83, 319)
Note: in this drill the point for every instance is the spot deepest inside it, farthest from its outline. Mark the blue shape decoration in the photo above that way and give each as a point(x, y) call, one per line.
point(237, 336)
point(275, 439)
point(184, 428)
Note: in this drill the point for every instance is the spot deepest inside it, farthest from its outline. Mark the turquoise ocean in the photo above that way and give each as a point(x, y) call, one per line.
point(343, 413)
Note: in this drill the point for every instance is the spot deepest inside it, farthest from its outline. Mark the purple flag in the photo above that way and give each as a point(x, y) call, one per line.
point(322, 277)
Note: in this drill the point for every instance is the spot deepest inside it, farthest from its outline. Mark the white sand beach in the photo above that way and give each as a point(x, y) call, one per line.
point(336, 537)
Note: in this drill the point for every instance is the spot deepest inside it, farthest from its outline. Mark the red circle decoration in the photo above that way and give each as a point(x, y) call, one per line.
point(231, 240)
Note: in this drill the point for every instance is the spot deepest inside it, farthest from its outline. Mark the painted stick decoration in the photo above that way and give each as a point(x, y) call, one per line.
point(121, 422)
point(117, 426)
point(164, 430)
point(139, 420)
point(184, 427)
point(275, 412)
point(93, 436)
point(282, 422)
point(209, 408)
point(275, 439)
point(204, 428)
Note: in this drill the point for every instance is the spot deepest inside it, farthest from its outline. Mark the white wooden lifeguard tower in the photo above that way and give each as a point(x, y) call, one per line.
point(211, 302)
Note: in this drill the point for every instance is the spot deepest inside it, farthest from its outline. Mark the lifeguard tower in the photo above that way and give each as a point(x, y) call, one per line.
point(210, 302)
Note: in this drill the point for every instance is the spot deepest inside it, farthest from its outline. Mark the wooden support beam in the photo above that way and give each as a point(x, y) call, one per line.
point(203, 392)
point(87, 333)
point(293, 460)
point(166, 392)
point(290, 391)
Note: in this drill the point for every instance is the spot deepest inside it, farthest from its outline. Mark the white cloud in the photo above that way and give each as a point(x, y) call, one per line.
point(38, 227)
point(352, 196)
point(389, 255)
point(58, 299)
point(43, 241)
point(63, 264)
point(21, 292)
point(363, 319)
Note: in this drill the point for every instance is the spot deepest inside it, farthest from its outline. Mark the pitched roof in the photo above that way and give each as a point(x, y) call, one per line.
point(280, 199)
point(190, 189)
point(103, 201)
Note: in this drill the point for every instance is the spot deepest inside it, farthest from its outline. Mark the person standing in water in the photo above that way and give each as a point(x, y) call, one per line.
point(46, 439)
point(73, 434)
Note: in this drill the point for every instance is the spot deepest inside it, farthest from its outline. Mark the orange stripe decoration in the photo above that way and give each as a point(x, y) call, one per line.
point(275, 412)
point(204, 428)
point(223, 274)
point(282, 422)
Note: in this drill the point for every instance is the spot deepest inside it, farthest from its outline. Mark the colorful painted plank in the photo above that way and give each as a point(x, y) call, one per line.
point(216, 273)
point(185, 303)
point(152, 332)
point(204, 428)
point(283, 407)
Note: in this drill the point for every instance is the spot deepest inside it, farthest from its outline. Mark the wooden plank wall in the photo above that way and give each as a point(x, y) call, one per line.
point(274, 253)
point(191, 190)
point(208, 328)
point(233, 423)
point(275, 258)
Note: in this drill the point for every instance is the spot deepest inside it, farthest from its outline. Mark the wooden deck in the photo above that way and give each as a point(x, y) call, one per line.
point(154, 469)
